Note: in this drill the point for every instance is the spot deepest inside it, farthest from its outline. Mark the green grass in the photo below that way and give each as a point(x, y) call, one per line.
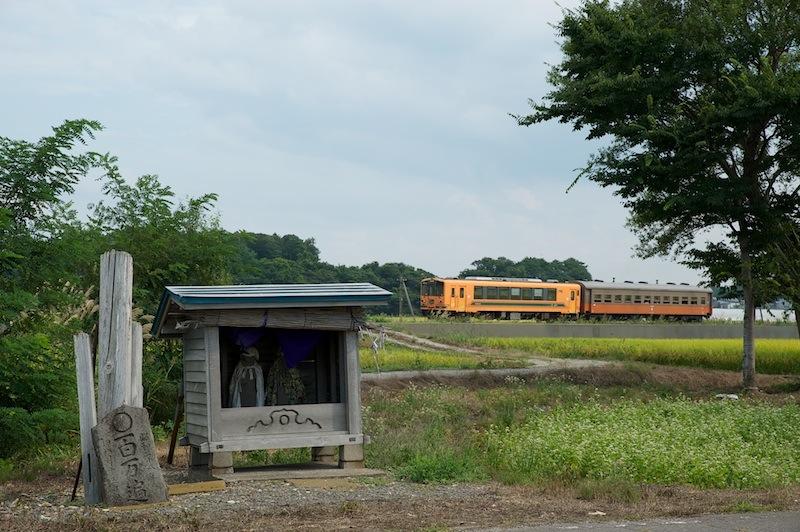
point(606, 442)
point(394, 358)
point(772, 356)
point(665, 441)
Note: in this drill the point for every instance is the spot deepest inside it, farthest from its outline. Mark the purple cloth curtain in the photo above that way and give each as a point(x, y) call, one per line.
point(297, 344)
point(245, 337)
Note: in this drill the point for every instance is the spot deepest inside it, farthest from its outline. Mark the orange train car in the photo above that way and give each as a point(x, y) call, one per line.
point(646, 300)
point(500, 297)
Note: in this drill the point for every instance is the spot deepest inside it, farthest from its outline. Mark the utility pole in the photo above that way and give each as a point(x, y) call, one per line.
point(408, 299)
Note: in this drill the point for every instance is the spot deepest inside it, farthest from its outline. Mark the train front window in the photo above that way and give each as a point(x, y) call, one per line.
point(432, 288)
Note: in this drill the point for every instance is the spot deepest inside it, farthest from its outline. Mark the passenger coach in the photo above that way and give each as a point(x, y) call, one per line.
point(622, 300)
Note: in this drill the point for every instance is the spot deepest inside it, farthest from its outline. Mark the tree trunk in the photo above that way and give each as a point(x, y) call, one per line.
point(797, 319)
point(748, 336)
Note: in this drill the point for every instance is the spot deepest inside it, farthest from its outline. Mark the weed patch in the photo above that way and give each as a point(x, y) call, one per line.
point(663, 441)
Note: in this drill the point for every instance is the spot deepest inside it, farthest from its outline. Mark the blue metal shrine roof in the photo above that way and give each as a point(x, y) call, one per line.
point(264, 296)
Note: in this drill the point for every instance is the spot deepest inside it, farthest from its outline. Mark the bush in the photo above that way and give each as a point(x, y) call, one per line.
point(35, 374)
point(57, 426)
point(161, 375)
point(18, 431)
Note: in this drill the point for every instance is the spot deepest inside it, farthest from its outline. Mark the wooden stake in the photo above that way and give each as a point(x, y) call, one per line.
point(135, 390)
point(114, 343)
point(88, 416)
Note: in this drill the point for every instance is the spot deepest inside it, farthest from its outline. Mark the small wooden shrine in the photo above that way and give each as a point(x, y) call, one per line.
point(270, 367)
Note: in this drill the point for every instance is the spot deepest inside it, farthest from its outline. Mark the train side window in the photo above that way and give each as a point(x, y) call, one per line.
point(538, 294)
point(491, 292)
point(607, 298)
point(453, 292)
point(627, 298)
point(515, 293)
point(702, 301)
point(675, 300)
point(693, 301)
point(617, 299)
point(572, 295)
point(637, 299)
point(504, 293)
point(550, 294)
point(647, 299)
point(657, 300)
point(684, 300)
point(597, 298)
point(461, 292)
point(527, 293)
point(478, 292)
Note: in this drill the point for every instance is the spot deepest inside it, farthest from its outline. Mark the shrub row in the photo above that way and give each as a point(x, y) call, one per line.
point(22, 430)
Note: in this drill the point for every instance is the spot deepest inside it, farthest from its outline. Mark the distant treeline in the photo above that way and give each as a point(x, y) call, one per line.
point(530, 267)
point(262, 258)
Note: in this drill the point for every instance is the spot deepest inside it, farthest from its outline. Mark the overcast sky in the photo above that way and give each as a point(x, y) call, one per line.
point(380, 129)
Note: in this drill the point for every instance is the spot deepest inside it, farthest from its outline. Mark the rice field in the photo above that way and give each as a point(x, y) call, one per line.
point(396, 358)
point(773, 356)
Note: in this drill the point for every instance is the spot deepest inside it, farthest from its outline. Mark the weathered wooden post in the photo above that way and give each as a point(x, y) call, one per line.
point(135, 391)
point(114, 332)
point(117, 448)
point(84, 369)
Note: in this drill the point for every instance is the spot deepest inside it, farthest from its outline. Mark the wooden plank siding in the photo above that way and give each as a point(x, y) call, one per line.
point(195, 382)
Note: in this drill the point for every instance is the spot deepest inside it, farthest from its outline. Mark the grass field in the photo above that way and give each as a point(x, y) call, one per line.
point(574, 434)
point(772, 356)
point(394, 358)
point(705, 444)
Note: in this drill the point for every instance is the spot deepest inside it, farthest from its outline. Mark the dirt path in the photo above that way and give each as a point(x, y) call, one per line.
point(539, 366)
point(373, 504)
point(761, 522)
point(416, 342)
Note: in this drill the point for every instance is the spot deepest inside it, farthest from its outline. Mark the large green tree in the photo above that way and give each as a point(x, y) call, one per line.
point(698, 102)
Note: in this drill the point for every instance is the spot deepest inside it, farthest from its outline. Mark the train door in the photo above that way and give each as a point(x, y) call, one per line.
point(458, 298)
point(574, 302)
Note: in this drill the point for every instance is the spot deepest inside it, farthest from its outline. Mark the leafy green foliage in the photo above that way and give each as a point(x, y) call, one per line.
point(17, 431)
point(529, 267)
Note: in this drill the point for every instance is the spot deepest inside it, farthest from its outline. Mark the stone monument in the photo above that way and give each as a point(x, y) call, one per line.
point(126, 458)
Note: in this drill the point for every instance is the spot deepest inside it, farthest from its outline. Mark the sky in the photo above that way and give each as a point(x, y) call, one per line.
point(380, 129)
